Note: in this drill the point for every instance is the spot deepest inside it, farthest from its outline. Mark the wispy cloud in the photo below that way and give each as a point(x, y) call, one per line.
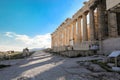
point(22, 41)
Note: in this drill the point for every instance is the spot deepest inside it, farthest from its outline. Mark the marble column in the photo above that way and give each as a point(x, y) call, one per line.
point(51, 41)
point(68, 35)
point(71, 30)
point(74, 31)
point(58, 37)
point(54, 42)
point(112, 23)
point(79, 35)
point(101, 20)
point(65, 36)
point(71, 34)
point(61, 38)
point(92, 25)
point(85, 32)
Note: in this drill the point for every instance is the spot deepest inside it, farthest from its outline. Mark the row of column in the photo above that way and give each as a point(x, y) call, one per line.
point(71, 34)
point(77, 30)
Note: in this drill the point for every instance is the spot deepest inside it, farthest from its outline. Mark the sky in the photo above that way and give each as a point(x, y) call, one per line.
point(29, 23)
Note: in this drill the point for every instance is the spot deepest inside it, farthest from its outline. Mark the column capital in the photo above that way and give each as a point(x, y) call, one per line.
point(79, 18)
point(85, 13)
point(74, 20)
point(91, 9)
point(93, 6)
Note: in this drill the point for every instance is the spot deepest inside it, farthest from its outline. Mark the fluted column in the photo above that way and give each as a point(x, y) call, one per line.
point(71, 34)
point(67, 35)
point(52, 41)
point(92, 25)
point(56, 39)
point(101, 20)
point(74, 31)
point(71, 30)
point(63, 37)
point(59, 38)
point(85, 32)
point(79, 35)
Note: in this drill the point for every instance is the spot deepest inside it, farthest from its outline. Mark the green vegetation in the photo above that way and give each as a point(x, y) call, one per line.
point(15, 55)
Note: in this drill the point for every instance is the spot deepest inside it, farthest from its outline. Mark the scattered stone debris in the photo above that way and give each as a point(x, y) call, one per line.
point(96, 68)
point(97, 72)
point(106, 76)
point(26, 78)
point(92, 67)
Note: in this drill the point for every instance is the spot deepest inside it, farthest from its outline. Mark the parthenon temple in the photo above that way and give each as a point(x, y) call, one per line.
point(96, 23)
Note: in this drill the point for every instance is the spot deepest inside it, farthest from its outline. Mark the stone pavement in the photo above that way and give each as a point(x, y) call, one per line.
point(44, 66)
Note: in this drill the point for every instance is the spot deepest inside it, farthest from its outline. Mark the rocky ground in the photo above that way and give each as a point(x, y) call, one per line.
point(45, 66)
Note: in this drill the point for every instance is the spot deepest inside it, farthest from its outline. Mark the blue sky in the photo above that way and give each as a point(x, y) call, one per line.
point(32, 18)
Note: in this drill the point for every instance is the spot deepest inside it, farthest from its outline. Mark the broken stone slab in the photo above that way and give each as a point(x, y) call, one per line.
point(116, 68)
point(83, 63)
point(110, 64)
point(96, 68)
point(25, 78)
point(87, 64)
point(106, 75)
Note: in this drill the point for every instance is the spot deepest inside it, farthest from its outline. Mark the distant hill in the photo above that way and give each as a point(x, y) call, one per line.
point(36, 49)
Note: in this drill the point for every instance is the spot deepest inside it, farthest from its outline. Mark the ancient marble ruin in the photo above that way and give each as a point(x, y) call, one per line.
point(95, 24)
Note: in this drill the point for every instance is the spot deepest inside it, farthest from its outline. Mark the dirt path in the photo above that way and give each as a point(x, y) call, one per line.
point(44, 66)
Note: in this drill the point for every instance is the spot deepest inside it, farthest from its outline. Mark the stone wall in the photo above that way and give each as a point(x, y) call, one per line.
point(110, 45)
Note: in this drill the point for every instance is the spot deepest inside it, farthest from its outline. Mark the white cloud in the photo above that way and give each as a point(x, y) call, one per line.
point(9, 34)
point(22, 41)
point(10, 47)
